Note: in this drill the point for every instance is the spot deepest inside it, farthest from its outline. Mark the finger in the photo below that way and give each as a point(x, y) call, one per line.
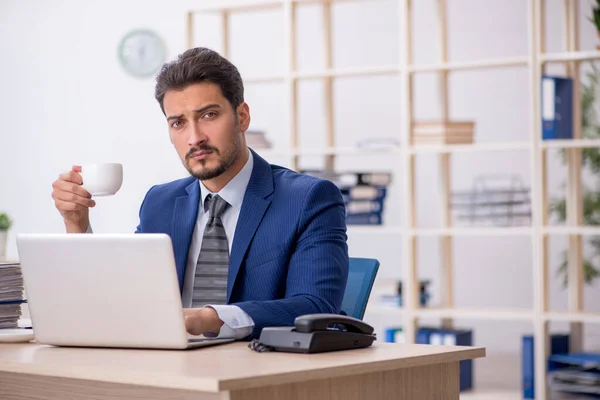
point(71, 188)
point(69, 206)
point(68, 197)
point(71, 176)
point(193, 323)
point(76, 168)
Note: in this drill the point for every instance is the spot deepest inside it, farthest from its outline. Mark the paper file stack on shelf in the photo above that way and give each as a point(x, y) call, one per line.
point(11, 295)
point(495, 200)
point(257, 140)
point(575, 373)
point(430, 133)
point(364, 194)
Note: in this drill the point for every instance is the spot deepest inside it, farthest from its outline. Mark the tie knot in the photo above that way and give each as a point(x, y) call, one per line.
point(216, 206)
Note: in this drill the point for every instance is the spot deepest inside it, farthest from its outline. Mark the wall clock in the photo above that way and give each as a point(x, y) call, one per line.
point(142, 53)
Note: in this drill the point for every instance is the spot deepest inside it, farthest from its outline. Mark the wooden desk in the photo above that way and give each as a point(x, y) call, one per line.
point(232, 372)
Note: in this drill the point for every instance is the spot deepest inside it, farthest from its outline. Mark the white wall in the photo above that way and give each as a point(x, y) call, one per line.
point(67, 101)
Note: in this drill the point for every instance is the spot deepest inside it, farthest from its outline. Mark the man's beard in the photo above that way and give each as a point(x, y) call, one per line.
point(225, 161)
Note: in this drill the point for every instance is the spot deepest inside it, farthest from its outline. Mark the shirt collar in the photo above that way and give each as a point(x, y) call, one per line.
point(233, 193)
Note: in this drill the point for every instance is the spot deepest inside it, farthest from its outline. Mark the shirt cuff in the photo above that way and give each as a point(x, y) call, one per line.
point(237, 324)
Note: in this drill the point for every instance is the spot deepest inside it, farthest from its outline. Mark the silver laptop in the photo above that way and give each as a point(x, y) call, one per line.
point(105, 290)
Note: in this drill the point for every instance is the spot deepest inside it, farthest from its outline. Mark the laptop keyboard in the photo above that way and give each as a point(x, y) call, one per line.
point(198, 340)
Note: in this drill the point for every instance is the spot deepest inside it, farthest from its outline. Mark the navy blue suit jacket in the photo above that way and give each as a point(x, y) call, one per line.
point(289, 256)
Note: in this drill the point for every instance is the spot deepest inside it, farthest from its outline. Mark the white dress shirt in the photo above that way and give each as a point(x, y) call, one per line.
point(236, 322)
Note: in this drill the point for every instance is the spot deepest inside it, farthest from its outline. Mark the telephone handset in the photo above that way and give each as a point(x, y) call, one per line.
point(316, 333)
point(321, 322)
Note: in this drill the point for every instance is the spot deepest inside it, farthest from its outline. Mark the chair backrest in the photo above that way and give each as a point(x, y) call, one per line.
point(360, 282)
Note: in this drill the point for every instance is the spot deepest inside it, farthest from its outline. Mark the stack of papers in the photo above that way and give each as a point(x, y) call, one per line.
point(575, 373)
point(11, 295)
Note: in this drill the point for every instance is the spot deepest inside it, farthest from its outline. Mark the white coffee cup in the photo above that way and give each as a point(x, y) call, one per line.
point(102, 179)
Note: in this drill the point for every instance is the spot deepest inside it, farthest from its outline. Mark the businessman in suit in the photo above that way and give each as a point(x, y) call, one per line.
point(255, 244)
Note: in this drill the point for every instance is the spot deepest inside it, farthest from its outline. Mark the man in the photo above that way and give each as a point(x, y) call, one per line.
point(255, 244)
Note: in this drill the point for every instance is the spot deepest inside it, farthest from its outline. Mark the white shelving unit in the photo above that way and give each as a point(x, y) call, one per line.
point(409, 233)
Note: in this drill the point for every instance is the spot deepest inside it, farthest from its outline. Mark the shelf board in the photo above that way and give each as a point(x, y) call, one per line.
point(573, 317)
point(493, 394)
point(475, 64)
point(467, 313)
point(346, 72)
point(468, 148)
point(349, 150)
point(240, 7)
point(375, 229)
point(327, 1)
point(315, 151)
point(570, 143)
point(476, 313)
point(570, 56)
point(379, 309)
point(574, 230)
point(264, 79)
point(483, 231)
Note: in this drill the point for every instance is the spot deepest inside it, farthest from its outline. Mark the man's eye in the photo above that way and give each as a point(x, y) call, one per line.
point(176, 124)
point(210, 115)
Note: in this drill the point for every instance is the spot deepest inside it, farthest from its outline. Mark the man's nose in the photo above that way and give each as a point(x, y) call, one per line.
point(196, 135)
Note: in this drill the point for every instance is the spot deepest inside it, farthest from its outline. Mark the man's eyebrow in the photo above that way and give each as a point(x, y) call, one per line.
point(201, 110)
point(198, 111)
point(174, 117)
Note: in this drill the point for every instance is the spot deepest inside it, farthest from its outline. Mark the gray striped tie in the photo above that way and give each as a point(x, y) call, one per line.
point(210, 281)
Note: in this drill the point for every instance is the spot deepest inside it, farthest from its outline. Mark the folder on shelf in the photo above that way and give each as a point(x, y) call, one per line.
point(557, 107)
point(585, 360)
point(559, 343)
point(440, 336)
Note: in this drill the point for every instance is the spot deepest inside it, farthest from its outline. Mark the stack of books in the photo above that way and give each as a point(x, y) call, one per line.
point(11, 295)
point(430, 133)
point(363, 193)
point(257, 140)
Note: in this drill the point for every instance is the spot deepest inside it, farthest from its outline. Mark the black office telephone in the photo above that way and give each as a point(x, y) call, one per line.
point(316, 333)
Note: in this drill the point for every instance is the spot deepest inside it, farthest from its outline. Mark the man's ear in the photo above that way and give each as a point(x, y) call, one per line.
point(243, 113)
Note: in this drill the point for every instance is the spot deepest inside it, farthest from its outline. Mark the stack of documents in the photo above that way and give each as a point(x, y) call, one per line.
point(575, 373)
point(11, 295)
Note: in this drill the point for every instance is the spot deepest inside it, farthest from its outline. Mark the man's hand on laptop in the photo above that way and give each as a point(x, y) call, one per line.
point(199, 321)
point(72, 200)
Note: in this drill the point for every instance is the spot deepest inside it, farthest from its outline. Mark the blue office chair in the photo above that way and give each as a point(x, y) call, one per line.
point(360, 282)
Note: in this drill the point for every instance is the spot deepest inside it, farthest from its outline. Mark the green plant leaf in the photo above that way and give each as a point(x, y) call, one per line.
point(5, 222)
point(590, 272)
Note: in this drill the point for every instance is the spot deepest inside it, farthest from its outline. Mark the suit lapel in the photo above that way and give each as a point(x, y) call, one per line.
point(184, 220)
point(253, 209)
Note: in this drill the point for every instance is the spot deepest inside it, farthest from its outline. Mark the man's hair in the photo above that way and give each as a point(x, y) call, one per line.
point(200, 65)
